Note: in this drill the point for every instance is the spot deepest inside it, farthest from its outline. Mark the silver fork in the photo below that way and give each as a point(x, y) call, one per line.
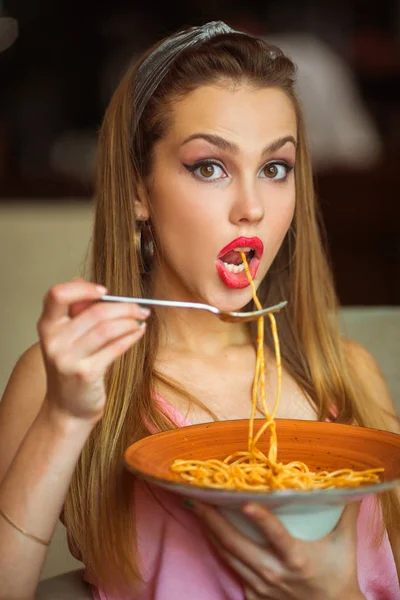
point(229, 317)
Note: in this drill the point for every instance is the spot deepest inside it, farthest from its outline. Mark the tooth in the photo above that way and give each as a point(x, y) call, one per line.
point(242, 249)
point(234, 268)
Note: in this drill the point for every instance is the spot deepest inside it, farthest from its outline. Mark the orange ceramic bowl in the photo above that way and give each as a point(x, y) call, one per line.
point(322, 446)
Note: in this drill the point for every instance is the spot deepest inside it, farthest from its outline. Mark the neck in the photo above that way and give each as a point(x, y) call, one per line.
point(194, 330)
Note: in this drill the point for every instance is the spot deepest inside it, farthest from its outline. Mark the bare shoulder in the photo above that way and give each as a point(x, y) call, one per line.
point(361, 359)
point(364, 364)
point(21, 403)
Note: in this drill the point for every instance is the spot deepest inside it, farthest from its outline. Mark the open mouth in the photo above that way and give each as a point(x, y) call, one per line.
point(233, 259)
point(230, 266)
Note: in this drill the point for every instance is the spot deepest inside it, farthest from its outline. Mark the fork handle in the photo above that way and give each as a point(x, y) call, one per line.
point(151, 301)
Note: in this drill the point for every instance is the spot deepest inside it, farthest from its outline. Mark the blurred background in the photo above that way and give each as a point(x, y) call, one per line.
point(58, 71)
point(59, 64)
point(57, 77)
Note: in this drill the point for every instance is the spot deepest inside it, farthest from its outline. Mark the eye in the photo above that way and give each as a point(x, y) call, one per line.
point(276, 170)
point(206, 170)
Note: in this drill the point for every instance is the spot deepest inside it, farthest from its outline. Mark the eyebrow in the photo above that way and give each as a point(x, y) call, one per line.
point(224, 144)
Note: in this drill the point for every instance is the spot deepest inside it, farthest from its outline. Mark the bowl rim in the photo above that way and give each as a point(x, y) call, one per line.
point(334, 495)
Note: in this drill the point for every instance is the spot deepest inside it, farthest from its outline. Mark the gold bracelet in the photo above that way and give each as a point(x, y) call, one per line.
point(25, 533)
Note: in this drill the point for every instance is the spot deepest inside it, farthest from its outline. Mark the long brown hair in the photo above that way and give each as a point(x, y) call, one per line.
point(99, 510)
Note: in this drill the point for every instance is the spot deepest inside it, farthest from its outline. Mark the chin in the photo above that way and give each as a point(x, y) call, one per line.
point(230, 300)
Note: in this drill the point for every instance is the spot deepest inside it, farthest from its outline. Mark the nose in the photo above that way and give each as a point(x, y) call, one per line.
point(247, 206)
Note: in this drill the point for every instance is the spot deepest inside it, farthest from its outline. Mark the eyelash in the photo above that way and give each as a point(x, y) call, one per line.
point(193, 168)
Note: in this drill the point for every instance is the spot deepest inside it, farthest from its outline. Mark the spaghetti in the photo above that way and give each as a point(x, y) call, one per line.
point(252, 469)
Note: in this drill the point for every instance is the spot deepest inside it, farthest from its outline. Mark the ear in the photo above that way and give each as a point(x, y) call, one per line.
point(141, 203)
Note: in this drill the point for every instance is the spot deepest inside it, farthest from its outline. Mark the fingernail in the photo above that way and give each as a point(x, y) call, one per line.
point(188, 502)
point(101, 289)
point(250, 509)
point(144, 312)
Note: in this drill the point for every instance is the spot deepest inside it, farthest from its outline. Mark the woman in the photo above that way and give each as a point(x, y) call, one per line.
point(202, 152)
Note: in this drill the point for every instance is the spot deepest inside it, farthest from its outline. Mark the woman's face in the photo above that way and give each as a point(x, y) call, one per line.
point(222, 179)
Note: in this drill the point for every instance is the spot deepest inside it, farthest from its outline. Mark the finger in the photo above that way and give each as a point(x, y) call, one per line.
point(60, 296)
point(103, 334)
point(101, 315)
point(249, 594)
point(127, 308)
point(78, 307)
point(98, 362)
point(259, 587)
point(276, 534)
point(258, 558)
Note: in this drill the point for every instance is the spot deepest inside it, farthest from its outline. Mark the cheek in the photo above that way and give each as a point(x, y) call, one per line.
point(183, 205)
point(183, 216)
point(278, 217)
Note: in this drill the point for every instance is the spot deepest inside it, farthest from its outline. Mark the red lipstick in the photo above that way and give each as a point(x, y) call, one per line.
point(229, 263)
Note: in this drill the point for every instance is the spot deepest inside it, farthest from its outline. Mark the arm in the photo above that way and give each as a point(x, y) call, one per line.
point(49, 408)
point(32, 494)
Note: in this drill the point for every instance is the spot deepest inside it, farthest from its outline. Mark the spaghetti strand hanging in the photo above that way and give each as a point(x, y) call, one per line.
point(252, 469)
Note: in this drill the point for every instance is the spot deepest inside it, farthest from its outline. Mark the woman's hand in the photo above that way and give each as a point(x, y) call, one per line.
point(288, 568)
point(80, 338)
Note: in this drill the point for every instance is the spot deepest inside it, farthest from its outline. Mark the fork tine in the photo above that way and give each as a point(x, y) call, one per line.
point(245, 317)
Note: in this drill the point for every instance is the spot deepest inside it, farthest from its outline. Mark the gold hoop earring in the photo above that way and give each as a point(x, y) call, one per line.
point(144, 243)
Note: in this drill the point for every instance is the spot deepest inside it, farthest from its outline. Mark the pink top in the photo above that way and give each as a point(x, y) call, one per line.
point(178, 562)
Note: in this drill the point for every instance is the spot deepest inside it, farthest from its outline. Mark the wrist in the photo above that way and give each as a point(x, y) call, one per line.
point(63, 423)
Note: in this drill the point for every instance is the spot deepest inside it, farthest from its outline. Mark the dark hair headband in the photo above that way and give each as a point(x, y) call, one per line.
point(155, 66)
